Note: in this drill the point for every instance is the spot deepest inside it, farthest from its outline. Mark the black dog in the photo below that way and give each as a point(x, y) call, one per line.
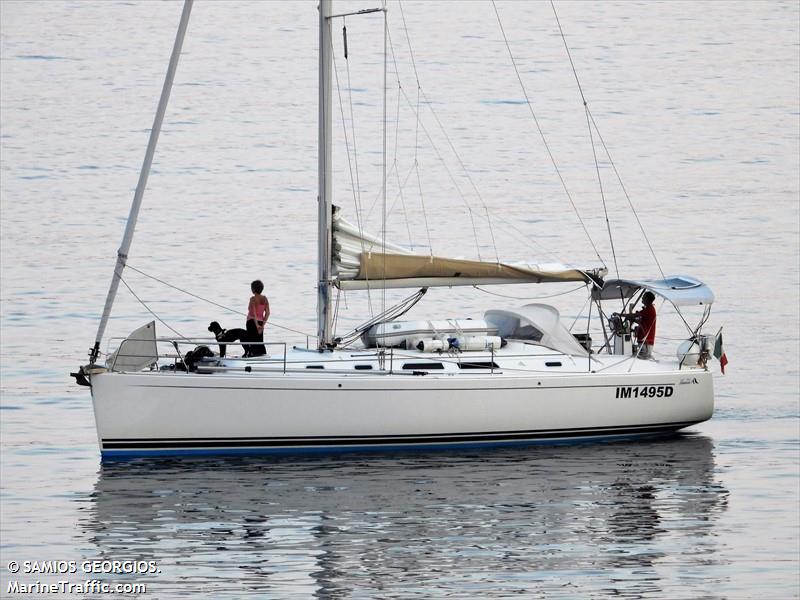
point(229, 335)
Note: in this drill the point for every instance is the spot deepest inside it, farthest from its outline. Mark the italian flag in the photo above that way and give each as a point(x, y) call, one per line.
point(719, 353)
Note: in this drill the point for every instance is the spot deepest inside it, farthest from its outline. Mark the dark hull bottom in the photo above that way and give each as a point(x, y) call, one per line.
point(132, 448)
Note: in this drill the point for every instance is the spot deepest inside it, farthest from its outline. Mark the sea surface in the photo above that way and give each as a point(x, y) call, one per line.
point(698, 105)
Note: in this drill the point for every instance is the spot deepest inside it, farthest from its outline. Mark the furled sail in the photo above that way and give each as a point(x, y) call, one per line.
point(362, 261)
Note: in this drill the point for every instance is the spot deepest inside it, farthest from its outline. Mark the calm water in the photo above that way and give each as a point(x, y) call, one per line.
point(698, 103)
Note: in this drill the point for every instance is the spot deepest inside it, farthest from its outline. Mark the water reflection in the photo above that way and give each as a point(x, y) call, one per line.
point(623, 519)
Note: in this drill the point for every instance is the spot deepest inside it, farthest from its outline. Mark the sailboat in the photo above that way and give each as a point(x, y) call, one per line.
point(515, 376)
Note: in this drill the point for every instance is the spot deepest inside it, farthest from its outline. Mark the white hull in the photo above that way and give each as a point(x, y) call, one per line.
point(157, 413)
point(518, 376)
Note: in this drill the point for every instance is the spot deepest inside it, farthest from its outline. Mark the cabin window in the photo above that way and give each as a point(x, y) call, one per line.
point(315, 366)
point(363, 367)
point(527, 332)
point(478, 365)
point(555, 363)
point(422, 366)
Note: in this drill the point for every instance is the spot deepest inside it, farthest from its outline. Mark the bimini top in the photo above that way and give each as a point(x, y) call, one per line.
point(538, 323)
point(680, 290)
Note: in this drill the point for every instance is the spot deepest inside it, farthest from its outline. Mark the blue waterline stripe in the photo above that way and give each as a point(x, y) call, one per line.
point(400, 440)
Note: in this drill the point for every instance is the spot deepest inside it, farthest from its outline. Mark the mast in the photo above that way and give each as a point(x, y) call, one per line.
point(127, 238)
point(324, 287)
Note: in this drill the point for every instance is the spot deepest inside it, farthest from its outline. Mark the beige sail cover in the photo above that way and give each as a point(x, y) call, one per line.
point(379, 266)
point(362, 261)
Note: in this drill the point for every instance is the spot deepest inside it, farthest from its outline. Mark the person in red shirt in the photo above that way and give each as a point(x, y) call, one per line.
point(646, 325)
point(257, 315)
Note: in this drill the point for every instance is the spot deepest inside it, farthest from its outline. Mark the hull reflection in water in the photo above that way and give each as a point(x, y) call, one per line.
point(600, 519)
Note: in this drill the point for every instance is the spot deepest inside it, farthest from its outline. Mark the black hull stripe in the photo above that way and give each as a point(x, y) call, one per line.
point(589, 386)
point(131, 444)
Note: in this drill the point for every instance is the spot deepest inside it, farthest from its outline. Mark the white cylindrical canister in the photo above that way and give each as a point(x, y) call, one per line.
point(430, 345)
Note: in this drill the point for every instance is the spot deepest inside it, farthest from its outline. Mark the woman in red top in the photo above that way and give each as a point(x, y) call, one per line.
point(646, 330)
point(257, 315)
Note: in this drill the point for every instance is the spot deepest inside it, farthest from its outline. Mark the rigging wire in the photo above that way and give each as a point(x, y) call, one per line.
point(591, 138)
point(414, 106)
point(590, 116)
point(151, 311)
point(395, 169)
point(429, 104)
point(352, 122)
point(580, 313)
point(628, 198)
point(569, 56)
point(392, 313)
point(444, 164)
point(336, 310)
point(412, 103)
point(602, 193)
point(416, 127)
point(401, 184)
point(222, 306)
point(541, 134)
point(591, 122)
point(440, 157)
point(421, 93)
point(512, 230)
point(354, 178)
point(385, 75)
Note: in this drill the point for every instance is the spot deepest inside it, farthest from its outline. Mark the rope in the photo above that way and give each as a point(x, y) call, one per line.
point(480, 289)
point(544, 139)
point(222, 306)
